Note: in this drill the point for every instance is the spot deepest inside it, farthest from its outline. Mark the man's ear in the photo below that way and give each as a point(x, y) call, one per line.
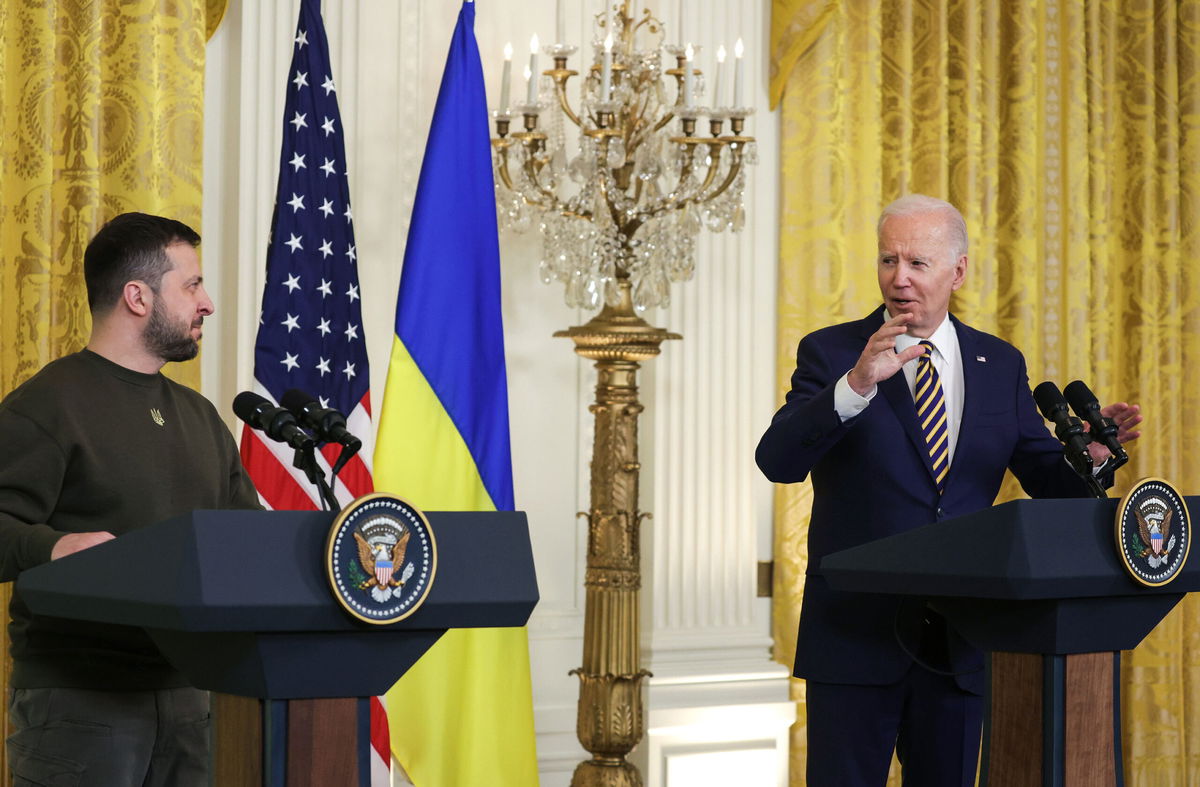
point(960, 272)
point(137, 297)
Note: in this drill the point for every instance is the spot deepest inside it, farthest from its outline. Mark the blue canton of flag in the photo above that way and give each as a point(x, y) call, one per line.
point(310, 333)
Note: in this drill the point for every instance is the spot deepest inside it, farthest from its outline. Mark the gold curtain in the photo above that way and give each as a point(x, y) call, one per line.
point(1068, 132)
point(102, 113)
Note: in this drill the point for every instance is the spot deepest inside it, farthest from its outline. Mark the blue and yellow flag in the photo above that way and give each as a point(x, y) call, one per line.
point(463, 715)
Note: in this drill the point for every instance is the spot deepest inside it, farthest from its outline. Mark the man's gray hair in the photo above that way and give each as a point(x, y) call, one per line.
point(912, 204)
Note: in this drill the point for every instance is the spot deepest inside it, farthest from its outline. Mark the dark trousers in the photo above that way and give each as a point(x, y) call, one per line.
point(88, 738)
point(932, 724)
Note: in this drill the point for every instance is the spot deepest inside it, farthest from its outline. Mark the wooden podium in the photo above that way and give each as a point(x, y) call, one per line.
point(1038, 584)
point(238, 602)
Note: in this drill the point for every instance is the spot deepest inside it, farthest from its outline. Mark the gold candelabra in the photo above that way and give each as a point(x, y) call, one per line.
point(619, 215)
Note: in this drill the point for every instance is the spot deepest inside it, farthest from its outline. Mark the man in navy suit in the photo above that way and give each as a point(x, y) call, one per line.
point(883, 674)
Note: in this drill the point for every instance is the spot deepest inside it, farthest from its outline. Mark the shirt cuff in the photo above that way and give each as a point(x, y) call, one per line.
point(846, 402)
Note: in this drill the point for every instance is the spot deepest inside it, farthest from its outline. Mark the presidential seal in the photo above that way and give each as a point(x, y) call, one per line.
point(1154, 532)
point(380, 558)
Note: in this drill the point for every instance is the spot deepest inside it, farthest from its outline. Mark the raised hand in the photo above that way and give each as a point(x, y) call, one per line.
point(1126, 417)
point(879, 359)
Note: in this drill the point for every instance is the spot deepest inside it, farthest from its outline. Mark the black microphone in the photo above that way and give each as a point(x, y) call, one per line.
point(327, 423)
point(277, 423)
point(1104, 430)
point(1067, 427)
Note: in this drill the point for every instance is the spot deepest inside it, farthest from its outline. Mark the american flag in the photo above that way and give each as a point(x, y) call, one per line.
point(310, 333)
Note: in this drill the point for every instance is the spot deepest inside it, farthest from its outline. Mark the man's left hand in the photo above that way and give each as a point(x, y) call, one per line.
point(1126, 417)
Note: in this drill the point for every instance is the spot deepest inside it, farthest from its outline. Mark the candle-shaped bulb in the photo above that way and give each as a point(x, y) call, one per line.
point(738, 78)
point(530, 87)
point(531, 71)
point(506, 77)
point(606, 69)
point(687, 75)
point(716, 94)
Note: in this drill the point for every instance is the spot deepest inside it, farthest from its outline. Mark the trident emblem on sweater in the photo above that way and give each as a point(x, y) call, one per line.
point(156, 415)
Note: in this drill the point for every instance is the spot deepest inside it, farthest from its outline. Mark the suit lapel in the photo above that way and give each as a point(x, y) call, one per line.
point(895, 390)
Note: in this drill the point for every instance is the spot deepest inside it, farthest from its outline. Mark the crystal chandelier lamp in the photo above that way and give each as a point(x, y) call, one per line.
point(619, 207)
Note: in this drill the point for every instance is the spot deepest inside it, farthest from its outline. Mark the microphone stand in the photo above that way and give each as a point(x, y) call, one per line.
point(306, 460)
point(1094, 485)
point(347, 453)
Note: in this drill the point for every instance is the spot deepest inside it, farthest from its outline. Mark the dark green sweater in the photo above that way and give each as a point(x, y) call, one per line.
point(84, 450)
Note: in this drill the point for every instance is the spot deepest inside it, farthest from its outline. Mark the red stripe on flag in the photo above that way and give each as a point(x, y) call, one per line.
point(380, 739)
point(273, 481)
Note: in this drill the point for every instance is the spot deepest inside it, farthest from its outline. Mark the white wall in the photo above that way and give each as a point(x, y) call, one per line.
point(708, 397)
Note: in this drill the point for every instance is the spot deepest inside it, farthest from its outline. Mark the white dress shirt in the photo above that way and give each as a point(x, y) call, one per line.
point(947, 361)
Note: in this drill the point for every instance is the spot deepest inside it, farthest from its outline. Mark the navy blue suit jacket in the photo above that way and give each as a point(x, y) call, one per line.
point(872, 478)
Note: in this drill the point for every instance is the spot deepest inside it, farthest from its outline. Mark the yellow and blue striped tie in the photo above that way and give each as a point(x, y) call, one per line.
point(931, 415)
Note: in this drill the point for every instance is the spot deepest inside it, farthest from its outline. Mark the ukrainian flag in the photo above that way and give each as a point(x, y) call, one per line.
point(463, 715)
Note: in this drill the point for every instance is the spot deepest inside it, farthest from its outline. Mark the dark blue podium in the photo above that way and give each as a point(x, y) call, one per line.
point(238, 602)
point(1039, 584)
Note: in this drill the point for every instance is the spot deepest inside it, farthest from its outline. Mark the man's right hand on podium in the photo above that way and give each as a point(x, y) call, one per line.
point(77, 542)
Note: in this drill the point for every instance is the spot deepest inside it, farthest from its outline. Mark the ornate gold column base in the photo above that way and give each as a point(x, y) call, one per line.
point(601, 773)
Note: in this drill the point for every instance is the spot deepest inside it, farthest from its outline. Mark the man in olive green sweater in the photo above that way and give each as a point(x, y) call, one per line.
point(97, 444)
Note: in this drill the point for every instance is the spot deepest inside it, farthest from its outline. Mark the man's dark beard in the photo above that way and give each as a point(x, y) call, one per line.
point(169, 341)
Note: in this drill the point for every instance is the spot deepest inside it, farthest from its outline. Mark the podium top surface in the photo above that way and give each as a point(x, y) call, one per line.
point(1021, 550)
point(264, 571)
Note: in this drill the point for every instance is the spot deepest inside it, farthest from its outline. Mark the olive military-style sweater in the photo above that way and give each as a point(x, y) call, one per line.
point(90, 445)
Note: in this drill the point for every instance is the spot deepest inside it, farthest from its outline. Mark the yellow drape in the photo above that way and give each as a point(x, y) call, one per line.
point(1068, 133)
point(102, 107)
